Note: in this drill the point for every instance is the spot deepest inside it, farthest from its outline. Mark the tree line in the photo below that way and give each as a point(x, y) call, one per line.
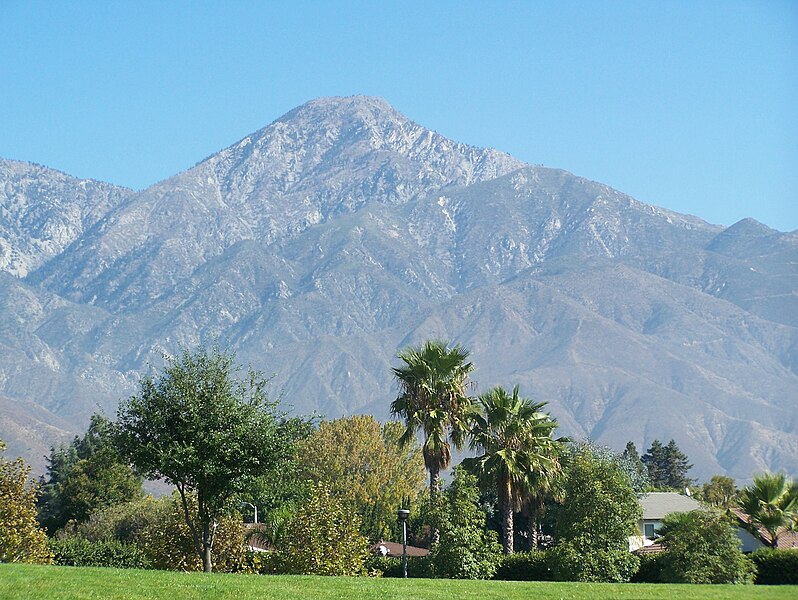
point(211, 431)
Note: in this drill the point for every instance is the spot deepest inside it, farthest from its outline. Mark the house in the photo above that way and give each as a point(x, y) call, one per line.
point(395, 549)
point(655, 506)
point(753, 541)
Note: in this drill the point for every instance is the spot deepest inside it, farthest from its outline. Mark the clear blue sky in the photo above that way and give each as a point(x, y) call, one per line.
point(688, 105)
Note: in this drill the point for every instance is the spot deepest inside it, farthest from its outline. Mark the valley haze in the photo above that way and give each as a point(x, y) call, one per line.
point(321, 244)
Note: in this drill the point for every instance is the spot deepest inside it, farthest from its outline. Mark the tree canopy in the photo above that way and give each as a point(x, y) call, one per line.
point(771, 502)
point(362, 462)
point(702, 547)
point(518, 450)
point(85, 476)
point(21, 537)
point(432, 399)
point(205, 432)
point(593, 525)
point(667, 466)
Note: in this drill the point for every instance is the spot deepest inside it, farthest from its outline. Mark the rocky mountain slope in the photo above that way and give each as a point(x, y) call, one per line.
point(319, 245)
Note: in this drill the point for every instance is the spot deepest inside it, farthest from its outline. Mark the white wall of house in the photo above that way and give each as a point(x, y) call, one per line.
point(749, 540)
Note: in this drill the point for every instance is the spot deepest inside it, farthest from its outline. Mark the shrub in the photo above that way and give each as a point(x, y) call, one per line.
point(466, 550)
point(79, 552)
point(702, 547)
point(569, 561)
point(159, 529)
point(650, 570)
point(776, 567)
point(21, 537)
point(323, 539)
point(593, 526)
point(525, 566)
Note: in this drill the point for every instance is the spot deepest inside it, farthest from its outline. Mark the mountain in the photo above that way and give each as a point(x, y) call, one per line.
point(42, 211)
point(319, 245)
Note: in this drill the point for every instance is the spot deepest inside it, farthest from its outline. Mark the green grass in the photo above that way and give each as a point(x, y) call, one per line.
point(32, 581)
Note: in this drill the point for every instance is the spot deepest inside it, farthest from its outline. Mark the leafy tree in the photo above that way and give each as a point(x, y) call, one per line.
point(635, 468)
point(515, 437)
point(87, 475)
point(432, 399)
point(593, 525)
point(720, 492)
point(21, 537)
point(702, 547)
point(280, 490)
point(667, 466)
point(466, 549)
point(204, 432)
point(363, 463)
point(771, 502)
point(323, 538)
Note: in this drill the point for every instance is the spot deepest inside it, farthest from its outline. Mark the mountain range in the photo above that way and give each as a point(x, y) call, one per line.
point(343, 231)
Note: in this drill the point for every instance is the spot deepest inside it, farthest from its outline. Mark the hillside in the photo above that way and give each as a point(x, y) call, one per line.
point(319, 245)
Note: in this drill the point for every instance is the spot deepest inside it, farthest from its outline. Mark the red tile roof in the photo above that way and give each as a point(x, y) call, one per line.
point(786, 538)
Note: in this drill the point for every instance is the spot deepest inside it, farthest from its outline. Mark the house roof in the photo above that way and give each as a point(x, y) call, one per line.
point(658, 504)
point(787, 539)
point(395, 549)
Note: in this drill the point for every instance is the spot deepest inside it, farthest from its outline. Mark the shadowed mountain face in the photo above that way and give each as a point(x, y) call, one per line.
point(319, 245)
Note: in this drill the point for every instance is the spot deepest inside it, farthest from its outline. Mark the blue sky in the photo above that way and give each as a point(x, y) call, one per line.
point(688, 105)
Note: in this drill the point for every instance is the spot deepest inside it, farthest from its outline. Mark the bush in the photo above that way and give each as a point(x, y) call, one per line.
point(79, 552)
point(525, 566)
point(702, 547)
point(21, 537)
point(776, 567)
point(466, 550)
point(323, 539)
point(593, 527)
point(159, 529)
point(650, 570)
point(570, 561)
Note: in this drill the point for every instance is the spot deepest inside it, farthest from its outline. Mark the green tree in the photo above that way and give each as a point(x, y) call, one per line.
point(432, 399)
point(720, 492)
point(771, 502)
point(593, 525)
point(363, 463)
point(635, 468)
point(204, 432)
point(667, 466)
point(323, 538)
point(21, 537)
point(702, 547)
point(467, 550)
point(85, 476)
point(518, 450)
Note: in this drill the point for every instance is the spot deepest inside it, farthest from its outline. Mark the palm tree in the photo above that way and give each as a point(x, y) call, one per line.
point(771, 502)
point(542, 487)
point(432, 399)
point(519, 453)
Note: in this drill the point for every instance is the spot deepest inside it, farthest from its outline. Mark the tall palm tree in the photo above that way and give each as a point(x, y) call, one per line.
point(432, 399)
point(519, 452)
point(771, 502)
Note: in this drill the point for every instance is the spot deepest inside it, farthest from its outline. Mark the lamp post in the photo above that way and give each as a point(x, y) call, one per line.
point(403, 513)
point(256, 510)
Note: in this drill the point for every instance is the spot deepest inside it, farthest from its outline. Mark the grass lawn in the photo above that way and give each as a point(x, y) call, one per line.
point(33, 581)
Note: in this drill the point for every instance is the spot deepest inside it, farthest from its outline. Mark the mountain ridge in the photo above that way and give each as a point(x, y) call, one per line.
point(320, 244)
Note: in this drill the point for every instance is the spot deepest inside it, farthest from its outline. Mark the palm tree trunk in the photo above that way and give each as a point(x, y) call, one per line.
point(533, 528)
point(434, 493)
point(507, 515)
point(434, 483)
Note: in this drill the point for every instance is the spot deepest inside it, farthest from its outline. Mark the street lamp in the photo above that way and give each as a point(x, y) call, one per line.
point(256, 510)
point(403, 513)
